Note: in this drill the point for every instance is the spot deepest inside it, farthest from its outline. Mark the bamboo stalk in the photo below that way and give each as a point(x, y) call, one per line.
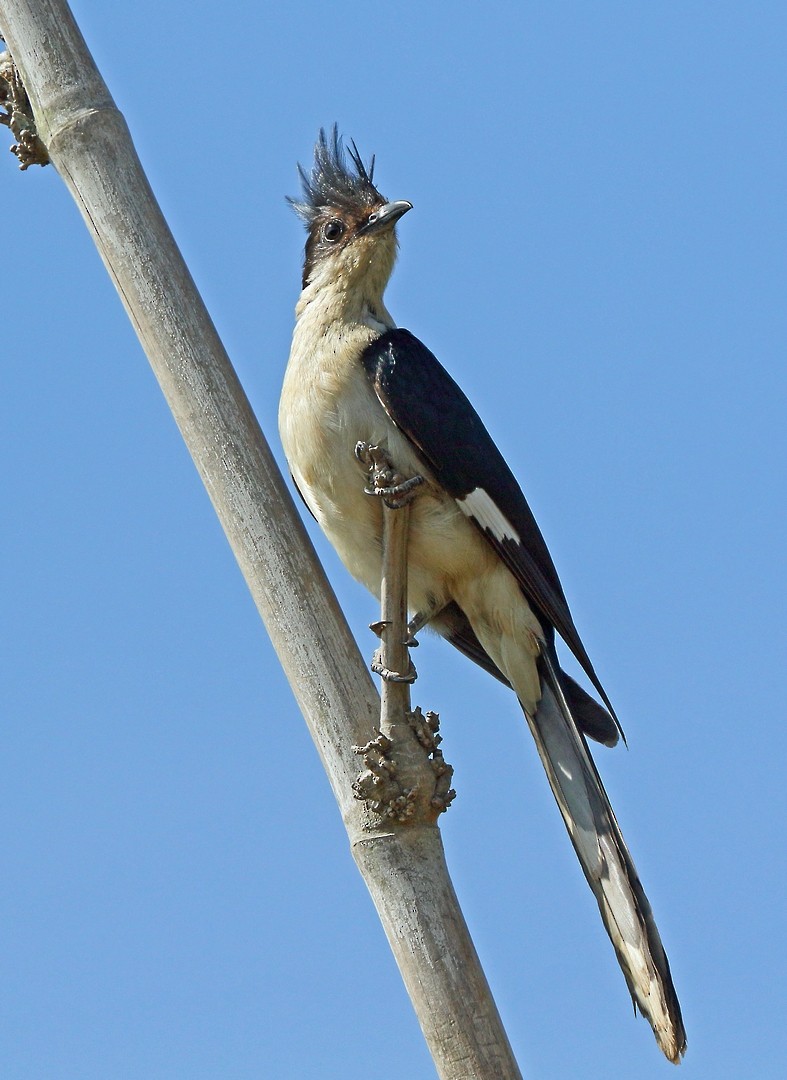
point(403, 865)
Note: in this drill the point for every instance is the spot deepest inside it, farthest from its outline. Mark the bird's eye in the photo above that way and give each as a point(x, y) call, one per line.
point(333, 230)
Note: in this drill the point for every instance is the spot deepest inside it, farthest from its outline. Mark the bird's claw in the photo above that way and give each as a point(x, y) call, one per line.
point(392, 676)
point(384, 481)
point(396, 496)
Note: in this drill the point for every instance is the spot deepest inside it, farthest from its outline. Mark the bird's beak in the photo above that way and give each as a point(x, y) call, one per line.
point(386, 216)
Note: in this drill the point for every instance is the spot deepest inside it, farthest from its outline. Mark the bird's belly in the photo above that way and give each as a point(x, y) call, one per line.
point(320, 446)
point(441, 544)
point(448, 558)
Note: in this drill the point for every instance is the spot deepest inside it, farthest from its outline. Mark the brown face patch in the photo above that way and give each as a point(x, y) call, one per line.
point(333, 229)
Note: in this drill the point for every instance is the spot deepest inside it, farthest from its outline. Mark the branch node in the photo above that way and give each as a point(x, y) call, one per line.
point(379, 785)
point(17, 116)
point(425, 728)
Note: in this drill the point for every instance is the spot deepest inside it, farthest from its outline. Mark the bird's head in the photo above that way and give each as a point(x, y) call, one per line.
point(351, 242)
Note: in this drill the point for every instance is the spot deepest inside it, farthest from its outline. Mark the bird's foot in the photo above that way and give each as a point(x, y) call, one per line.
point(379, 668)
point(394, 489)
point(392, 676)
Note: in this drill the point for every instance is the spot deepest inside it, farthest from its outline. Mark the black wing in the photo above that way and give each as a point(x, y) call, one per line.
point(426, 404)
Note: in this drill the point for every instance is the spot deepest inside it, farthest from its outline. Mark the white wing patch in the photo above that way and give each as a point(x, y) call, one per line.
point(479, 505)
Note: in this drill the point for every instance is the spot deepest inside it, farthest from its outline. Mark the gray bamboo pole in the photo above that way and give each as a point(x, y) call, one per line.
point(403, 864)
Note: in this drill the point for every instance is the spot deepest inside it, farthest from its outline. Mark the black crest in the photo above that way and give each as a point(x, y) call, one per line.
point(334, 184)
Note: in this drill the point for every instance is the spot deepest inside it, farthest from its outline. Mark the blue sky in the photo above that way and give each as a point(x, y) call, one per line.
point(597, 253)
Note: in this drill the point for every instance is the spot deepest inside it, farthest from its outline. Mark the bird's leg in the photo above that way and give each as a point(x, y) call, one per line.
point(418, 622)
point(394, 489)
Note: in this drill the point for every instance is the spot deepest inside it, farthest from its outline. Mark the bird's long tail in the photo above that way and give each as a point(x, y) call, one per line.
point(605, 859)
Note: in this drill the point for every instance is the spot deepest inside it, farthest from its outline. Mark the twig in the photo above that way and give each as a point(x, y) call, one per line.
point(407, 779)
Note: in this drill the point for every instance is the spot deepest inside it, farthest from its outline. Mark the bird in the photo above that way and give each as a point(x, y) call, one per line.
point(479, 571)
